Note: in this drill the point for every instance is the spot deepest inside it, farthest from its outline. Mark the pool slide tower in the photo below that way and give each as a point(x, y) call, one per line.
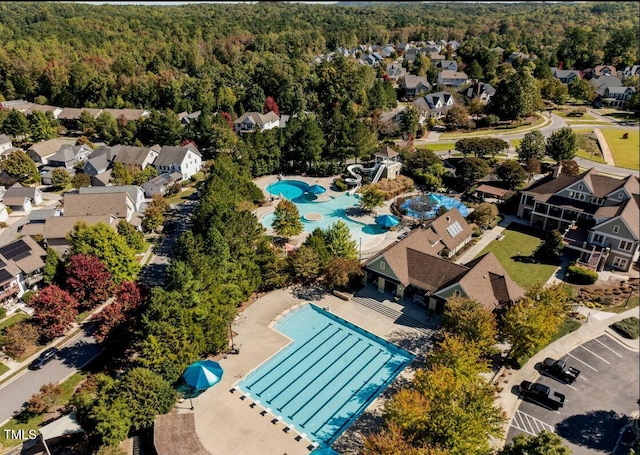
point(385, 159)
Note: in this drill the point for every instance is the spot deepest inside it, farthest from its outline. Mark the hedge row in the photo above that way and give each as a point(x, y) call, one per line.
point(580, 275)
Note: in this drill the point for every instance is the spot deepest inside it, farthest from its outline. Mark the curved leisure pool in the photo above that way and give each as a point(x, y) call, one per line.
point(324, 213)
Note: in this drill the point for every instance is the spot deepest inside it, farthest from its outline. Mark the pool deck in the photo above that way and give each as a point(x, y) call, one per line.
point(376, 243)
point(228, 424)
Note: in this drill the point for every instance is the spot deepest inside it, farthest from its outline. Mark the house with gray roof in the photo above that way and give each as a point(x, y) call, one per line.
point(57, 228)
point(69, 156)
point(617, 96)
point(21, 267)
point(186, 160)
point(433, 105)
point(97, 162)
point(117, 204)
point(5, 143)
point(450, 65)
point(395, 71)
point(40, 152)
point(449, 78)
point(601, 83)
point(566, 76)
point(140, 157)
point(597, 214)
point(414, 85)
point(161, 184)
point(22, 198)
point(480, 90)
point(136, 193)
point(255, 121)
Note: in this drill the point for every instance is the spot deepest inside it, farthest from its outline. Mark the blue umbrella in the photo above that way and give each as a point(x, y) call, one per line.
point(203, 374)
point(317, 189)
point(387, 220)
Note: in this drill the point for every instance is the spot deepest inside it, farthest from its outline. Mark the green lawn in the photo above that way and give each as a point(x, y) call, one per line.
point(493, 131)
point(519, 242)
point(563, 114)
point(33, 423)
point(182, 196)
point(624, 151)
point(439, 147)
point(631, 303)
point(589, 156)
point(3, 368)
point(14, 319)
point(515, 143)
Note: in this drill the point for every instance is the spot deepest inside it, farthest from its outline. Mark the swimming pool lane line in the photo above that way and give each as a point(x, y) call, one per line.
point(295, 352)
point(355, 394)
point(365, 403)
point(305, 371)
point(318, 375)
point(380, 351)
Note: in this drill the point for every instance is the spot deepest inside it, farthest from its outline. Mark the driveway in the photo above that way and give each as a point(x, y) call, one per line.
point(597, 404)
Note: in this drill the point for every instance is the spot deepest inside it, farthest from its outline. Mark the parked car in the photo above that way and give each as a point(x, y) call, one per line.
point(44, 358)
point(542, 394)
point(560, 370)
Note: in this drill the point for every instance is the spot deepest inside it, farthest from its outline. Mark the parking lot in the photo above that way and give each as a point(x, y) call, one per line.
point(597, 403)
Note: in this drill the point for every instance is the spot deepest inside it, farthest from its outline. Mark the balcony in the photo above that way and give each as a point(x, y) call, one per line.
point(32, 279)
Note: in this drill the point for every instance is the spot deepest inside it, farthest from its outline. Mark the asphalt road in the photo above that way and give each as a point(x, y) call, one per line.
point(72, 356)
point(596, 404)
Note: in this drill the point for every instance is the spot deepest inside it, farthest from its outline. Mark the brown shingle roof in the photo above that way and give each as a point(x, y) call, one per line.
point(50, 147)
point(430, 272)
point(26, 253)
point(114, 204)
point(439, 227)
point(487, 283)
point(128, 154)
point(57, 227)
point(386, 152)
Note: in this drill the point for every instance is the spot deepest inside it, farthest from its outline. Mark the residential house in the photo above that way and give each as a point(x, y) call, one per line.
point(139, 157)
point(255, 121)
point(450, 65)
point(69, 156)
point(21, 267)
point(40, 152)
point(187, 160)
point(601, 83)
point(97, 162)
point(126, 115)
point(480, 90)
point(70, 116)
point(161, 184)
point(136, 193)
point(617, 96)
point(387, 51)
point(412, 268)
point(103, 179)
point(410, 54)
point(435, 57)
point(566, 76)
point(452, 78)
point(22, 199)
point(601, 70)
point(433, 105)
point(186, 118)
point(119, 205)
point(57, 228)
point(415, 85)
point(395, 71)
point(597, 214)
point(630, 71)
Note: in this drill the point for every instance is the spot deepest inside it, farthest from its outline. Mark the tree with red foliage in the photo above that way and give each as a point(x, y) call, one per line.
point(271, 105)
point(227, 117)
point(88, 280)
point(187, 142)
point(54, 311)
point(128, 296)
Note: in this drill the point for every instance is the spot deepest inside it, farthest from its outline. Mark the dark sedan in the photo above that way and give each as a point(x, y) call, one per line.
point(44, 358)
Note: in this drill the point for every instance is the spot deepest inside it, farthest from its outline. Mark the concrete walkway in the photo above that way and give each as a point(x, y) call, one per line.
point(604, 147)
point(597, 323)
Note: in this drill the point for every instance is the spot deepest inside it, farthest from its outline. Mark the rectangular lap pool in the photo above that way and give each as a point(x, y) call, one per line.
point(330, 372)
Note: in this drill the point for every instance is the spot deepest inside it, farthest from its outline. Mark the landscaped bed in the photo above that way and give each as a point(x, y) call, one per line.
point(628, 327)
point(515, 253)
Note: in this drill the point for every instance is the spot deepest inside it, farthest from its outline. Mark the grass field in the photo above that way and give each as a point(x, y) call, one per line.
point(182, 196)
point(590, 156)
point(33, 423)
point(624, 151)
point(14, 319)
point(438, 147)
point(493, 131)
point(519, 242)
point(3, 368)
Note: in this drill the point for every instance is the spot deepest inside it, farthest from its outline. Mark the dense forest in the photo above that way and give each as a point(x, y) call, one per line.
point(231, 56)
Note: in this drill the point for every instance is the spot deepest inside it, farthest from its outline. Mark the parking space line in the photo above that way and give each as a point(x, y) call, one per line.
point(529, 424)
point(595, 339)
point(571, 387)
point(588, 350)
point(582, 361)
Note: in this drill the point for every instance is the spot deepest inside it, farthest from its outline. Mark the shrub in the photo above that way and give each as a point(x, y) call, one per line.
point(3, 224)
point(627, 327)
point(341, 185)
point(580, 275)
point(477, 232)
point(27, 296)
point(3, 313)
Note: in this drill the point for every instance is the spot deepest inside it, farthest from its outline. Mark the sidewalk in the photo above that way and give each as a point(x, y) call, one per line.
point(597, 324)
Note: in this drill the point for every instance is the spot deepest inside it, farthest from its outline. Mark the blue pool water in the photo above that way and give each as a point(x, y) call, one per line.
point(331, 210)
point(327, 376)
point(433, 202)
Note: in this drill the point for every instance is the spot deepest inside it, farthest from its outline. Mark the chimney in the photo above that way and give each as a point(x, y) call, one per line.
point(557, 170)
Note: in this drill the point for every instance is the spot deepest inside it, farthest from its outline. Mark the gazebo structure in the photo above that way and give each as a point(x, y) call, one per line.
point(389, 160)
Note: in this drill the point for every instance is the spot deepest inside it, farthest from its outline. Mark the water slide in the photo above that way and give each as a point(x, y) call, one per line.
point(357, 178)
point(379, 173)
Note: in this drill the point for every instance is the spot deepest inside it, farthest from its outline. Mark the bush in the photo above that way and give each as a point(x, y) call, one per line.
point(3, 224)
point(580, 275)
point(477, 232)
point(27, 296)
point(340, 185)
point(3, 313)
point(627, 327)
